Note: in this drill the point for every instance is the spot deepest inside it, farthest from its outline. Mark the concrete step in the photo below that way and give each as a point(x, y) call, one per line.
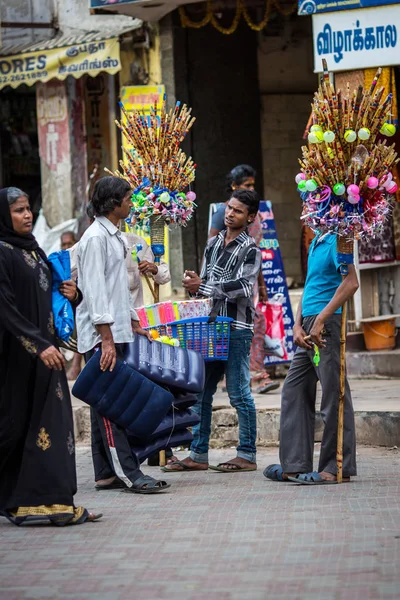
point(376, 404)
point(384, 363)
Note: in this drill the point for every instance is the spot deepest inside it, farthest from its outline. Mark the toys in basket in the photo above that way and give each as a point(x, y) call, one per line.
point(167, 312)
point(211, 340)
point(346, 181)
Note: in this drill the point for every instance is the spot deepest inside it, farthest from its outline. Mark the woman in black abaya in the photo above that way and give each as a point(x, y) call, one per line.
point(37, 449)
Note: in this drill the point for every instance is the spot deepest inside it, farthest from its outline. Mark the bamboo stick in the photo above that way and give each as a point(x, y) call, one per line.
point(344, 247)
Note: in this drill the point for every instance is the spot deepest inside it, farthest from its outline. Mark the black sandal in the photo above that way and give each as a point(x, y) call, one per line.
point(147, 485)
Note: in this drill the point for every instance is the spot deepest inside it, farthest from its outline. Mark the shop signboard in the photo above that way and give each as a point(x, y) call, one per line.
point(57, 63)
point(357, 39)
point(310, 7)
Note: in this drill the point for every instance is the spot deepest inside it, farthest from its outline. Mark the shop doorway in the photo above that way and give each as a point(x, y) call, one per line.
point(19, 145)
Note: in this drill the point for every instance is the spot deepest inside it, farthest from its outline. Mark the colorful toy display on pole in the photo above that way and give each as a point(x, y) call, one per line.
point(346, 181)
point(158, 171)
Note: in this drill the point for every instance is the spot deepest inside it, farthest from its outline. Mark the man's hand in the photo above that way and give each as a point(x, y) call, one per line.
point(192, 282)
point(315, 333)
point(147, 268)
point(140, 331)
point(299, 336)
point(52, 358)
point(69, 290)
point(108, 355)
point(262, 294)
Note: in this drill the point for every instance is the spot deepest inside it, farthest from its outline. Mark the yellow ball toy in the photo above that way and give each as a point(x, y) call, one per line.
point(350, 136)
point(388, 129)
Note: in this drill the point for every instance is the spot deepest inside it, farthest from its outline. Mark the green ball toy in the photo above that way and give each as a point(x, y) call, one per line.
point(301, 186)
point(329, 136)
point(315, 128)
point(339, 189)
point(311, 185)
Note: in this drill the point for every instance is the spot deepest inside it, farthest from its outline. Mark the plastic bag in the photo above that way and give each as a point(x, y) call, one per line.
point(274, 339)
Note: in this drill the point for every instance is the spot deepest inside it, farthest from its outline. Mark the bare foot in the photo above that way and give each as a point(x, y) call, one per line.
point(106, 481)
point(187, 464)
point(172, 460)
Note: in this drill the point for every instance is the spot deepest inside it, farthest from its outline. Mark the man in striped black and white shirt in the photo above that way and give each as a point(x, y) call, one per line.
point(232, 262)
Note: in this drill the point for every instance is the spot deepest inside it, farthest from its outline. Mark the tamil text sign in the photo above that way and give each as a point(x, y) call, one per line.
point(357, 39)
point(58, 63)
point(309, 7)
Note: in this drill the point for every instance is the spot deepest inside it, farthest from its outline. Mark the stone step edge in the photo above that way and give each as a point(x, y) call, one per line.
point(373, 428)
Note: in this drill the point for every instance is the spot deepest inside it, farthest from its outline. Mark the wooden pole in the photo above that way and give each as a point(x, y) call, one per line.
point(345, 252)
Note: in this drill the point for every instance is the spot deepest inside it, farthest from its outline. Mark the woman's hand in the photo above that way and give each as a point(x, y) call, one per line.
point(69, 290)
point(52, 358)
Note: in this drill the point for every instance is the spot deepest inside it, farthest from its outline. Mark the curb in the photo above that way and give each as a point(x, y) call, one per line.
point(373, 428)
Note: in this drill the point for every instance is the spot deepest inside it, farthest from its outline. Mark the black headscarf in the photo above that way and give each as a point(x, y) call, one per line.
point(7, 233)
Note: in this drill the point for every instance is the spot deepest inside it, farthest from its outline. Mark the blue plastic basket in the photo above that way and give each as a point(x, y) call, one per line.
point(210, 339)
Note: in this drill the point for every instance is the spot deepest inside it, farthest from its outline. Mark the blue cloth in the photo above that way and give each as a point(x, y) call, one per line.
point(237, 370)
point(62, 308)
point(323, 275)
point(218, 218)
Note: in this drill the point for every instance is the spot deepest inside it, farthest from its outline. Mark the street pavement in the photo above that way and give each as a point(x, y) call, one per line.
point(218, 536)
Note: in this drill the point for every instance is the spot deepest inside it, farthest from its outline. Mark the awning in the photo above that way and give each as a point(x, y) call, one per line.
point(147, 10)
point(87, 53)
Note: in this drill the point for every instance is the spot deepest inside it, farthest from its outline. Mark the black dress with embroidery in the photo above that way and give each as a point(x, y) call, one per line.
point(37, 453)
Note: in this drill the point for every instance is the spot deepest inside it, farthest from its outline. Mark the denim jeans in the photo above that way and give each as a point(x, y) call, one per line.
point(237, 371)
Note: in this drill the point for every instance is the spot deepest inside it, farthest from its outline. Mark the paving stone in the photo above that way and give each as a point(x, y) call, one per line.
point(219, 537)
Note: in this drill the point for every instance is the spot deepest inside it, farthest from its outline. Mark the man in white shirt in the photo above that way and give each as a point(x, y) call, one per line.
point(106, 318)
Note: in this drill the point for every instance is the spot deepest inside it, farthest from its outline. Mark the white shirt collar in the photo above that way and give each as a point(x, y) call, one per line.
point(111, 228)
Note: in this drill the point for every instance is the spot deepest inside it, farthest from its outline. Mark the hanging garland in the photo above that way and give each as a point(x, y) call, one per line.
point(241, 10)
point(259, 26)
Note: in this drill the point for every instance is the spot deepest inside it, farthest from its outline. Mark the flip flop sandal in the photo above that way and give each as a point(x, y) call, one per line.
point(179, 463)
point(274, 473)
point(117, 484)
point(313, 478)
point(236, 468)
point(268, 387)
point(147, 485)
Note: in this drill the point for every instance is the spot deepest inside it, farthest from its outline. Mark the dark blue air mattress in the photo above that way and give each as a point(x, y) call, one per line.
point(123, 396)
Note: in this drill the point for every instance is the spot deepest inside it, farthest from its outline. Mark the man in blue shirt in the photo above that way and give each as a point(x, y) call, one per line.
point(317, 358)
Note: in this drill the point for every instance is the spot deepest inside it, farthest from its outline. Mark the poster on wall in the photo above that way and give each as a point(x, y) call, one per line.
point(275, 281)
point(357, 39)
point(310, 7)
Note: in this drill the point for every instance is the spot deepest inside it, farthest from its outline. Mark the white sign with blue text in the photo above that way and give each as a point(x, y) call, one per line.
point(357, 39)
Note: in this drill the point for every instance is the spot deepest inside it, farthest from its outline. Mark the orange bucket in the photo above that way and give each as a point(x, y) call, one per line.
point(379, 333)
